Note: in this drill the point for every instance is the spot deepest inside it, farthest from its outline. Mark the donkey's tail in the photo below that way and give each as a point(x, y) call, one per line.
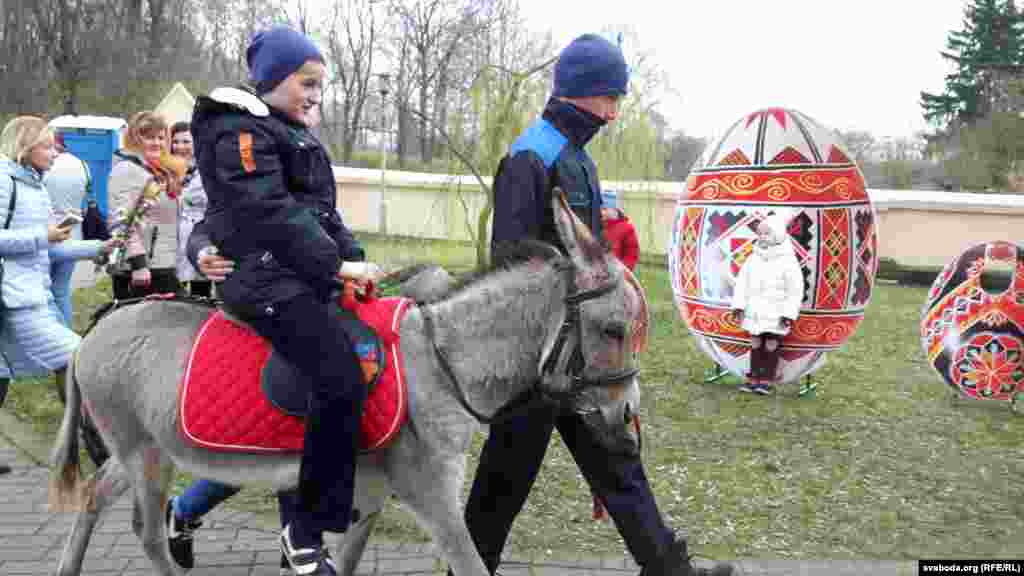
point(65, 462)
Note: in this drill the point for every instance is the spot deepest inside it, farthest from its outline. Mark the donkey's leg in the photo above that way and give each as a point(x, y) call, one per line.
point(372, 492)
point(353, 544)
point(431, 490)
point(103, 489)
point(150, 472)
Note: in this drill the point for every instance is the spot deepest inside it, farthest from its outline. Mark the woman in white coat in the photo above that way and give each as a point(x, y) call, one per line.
point(34, 339)
point(767, 300)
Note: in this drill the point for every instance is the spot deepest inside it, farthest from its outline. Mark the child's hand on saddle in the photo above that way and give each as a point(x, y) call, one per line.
point(785, 322)
point(215, 267)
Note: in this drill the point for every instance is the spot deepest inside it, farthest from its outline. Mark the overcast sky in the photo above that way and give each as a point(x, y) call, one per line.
point(849, 64)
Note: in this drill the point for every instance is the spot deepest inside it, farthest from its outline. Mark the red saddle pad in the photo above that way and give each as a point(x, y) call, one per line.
point(223, 408)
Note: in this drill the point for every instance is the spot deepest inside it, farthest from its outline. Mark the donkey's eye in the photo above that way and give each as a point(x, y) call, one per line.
point(615, 332)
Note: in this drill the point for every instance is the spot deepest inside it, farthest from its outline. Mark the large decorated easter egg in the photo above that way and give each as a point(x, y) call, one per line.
point(774, 160)
point(972, 331)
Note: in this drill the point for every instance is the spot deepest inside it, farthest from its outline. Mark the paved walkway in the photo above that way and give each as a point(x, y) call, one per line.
point(237, 543)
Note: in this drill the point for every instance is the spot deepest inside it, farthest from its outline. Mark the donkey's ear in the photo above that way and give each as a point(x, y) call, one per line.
point(571, 231)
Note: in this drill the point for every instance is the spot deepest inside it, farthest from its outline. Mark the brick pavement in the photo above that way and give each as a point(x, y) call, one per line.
point(243, 544)
point(230, 542)
point(239, 543)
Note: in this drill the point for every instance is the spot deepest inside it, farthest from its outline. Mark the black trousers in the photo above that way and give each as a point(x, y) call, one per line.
point(201, 288)
point(511, 459)
point(307, 332)
point(163, 280)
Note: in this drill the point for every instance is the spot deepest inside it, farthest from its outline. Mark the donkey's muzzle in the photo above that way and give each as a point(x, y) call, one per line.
point(617, 439)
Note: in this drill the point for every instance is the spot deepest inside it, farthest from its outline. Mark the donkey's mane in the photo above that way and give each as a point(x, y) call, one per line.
point(511, 255)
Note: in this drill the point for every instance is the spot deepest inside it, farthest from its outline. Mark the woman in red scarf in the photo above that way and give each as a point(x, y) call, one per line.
point(150, 252)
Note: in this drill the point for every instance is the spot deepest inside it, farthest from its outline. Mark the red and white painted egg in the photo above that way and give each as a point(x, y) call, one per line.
point(775, 159)
point(972, 334)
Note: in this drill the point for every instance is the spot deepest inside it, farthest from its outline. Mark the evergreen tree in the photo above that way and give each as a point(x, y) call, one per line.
point(986, 54)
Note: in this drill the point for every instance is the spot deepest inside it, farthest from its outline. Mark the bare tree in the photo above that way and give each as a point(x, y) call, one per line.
point(683, 152)
point(25, 84)
point(435, 30)
point(351, 36)
point(402, 98)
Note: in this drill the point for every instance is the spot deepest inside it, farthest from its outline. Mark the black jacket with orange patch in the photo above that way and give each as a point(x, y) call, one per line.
point(272, 202)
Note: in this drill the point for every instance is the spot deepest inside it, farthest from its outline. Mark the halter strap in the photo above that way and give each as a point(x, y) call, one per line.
point(574, 368)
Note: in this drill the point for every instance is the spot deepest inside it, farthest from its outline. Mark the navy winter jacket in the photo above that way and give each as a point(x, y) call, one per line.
point(272, 204)
point(549, 153)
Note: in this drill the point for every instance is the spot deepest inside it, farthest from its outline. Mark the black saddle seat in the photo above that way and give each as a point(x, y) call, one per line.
point(288, 389)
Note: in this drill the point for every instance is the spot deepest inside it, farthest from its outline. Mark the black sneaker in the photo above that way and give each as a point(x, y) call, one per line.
point(179, 538)
point(676, 562)
point(4, 469)
point(763, 389)
point(315, 561)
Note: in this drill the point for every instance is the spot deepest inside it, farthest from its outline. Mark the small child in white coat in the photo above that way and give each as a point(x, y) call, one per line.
point(767, 300)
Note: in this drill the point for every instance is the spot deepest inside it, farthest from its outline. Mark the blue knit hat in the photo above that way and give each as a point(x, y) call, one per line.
point(609, 199)
point(590, 66)
point(275, 54)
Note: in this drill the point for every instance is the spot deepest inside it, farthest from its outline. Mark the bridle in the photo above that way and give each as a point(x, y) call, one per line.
point(574, 367)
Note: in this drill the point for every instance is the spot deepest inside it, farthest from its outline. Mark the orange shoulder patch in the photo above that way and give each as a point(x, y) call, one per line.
point(245, 151)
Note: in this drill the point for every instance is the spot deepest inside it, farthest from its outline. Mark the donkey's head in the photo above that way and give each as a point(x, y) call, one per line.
point(589, 363)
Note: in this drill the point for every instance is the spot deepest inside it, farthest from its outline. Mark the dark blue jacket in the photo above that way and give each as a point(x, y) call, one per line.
point(549, 153)
point(272, 204)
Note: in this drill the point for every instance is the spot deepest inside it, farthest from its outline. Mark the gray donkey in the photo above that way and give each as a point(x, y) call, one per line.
point(568, 328)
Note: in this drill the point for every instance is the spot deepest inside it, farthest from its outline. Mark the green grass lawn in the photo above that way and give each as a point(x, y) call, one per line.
point(878, 464)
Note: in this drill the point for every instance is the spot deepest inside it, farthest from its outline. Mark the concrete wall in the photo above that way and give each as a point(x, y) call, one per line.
point(915, 228)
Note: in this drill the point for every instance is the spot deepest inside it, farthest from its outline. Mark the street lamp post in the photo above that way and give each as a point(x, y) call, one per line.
point(384, 87)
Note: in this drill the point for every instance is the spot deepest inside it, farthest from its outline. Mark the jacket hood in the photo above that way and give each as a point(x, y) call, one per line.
point(778, 239)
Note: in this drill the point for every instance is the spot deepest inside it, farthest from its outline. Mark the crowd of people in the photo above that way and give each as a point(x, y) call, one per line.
point(177, 194)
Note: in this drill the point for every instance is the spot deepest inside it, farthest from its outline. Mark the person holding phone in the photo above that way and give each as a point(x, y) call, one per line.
point(34, 337)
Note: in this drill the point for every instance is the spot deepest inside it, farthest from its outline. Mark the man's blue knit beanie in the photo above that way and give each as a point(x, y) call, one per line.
point(590, 66)
point(275, 54)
